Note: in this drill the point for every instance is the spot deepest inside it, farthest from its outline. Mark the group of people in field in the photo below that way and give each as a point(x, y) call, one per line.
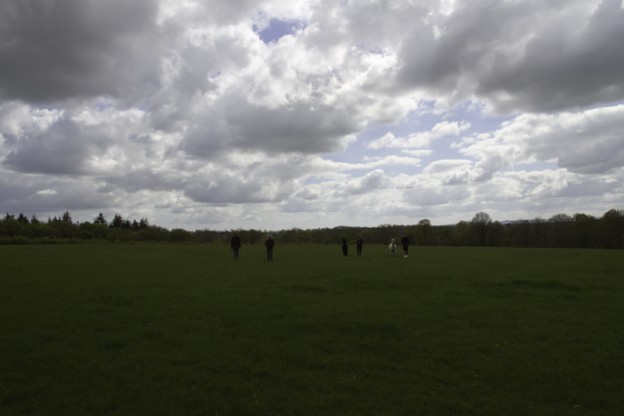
point(392, 247)
point(359, 243)
point(269, 243)
point(405, 242)
point(236, 244)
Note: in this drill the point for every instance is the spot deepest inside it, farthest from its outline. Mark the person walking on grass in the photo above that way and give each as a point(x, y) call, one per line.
point(405, 243)
point(359, 242)
point(269, 243)
point(345, 247)
point(235, 244)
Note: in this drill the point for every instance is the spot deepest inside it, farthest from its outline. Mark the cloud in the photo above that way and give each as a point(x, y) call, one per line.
point(565, 65)
point(61, 150)
point(64, 50)
point(585, 142)
point(367, 112)
point(421, 139)
point(292, 128)
point(90, 141)
point(450, 171)
point(368, 183)
point(50, 195)
point(531, 56)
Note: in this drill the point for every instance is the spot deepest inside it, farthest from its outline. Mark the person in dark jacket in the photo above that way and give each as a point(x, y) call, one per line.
point(235, 244)
point(405, 243)
point(345, 247)
point(269, 243)
point(359, 242)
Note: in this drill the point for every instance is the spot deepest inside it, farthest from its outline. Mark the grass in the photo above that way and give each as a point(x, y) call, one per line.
point(184, 329)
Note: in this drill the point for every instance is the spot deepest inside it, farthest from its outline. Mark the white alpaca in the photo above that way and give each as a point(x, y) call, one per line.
point(392, 248)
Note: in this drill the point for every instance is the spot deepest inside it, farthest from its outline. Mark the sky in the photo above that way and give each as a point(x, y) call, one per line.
point(279, 114)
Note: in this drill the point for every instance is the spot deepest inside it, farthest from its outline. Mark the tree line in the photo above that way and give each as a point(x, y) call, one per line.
point(561, 230)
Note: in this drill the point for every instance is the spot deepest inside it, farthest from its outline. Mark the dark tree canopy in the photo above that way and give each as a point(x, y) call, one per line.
point(561, 230)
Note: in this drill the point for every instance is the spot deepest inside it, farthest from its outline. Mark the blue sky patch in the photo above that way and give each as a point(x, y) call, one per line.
point(277, 29)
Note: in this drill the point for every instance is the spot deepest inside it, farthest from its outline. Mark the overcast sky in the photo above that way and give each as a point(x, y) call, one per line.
point(278, 114)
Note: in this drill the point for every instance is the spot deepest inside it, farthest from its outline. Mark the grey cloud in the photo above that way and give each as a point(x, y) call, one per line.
point(430, 196)
point(213, 55)
point(252, 181)
point(388, 19)
point(602, 156)
point(54, 50)
point(63, 149)
point(587, 187)
point(457, 178)
point(145, 179)
point(590, 142)
point(306, 194)
point(296, 205)
point(36, 195)
point(368, 183)
point(295, 128)
point(447, 165)
point(226, 11)
point(519, 55)
point(487, 167)
point(451, 171)
point(587, 142)
point(227, 190)
point(441, 62)
point(563, 70)
point(208, 140)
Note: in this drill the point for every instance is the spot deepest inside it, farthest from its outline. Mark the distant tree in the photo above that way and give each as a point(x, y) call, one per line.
point(445, 235)
point(384, 233)
point(143, 223)
point(480, 223)
point(155, 233)
point(539, 232)
point(496, 234)
point(117, 221)
point(250, 236)
point(519, 233)
point(463, 234)
point(179, 235)
point(560, 218)
point(586, 230)
point(612, 229)
point(560, 231)
point(10, 226)
point(100, 220)
point(93, 231)
point(423, 232)
point(66, 217)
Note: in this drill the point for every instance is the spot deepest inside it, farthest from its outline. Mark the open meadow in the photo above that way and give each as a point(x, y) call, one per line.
point(163, 329)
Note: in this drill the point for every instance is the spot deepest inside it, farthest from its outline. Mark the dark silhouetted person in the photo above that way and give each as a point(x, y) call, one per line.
point(359, 242)
point(405, 243)
point(269, 243)
point(236, 245)
point(345, 247)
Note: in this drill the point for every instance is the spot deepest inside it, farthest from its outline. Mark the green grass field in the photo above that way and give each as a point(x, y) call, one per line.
point(184, 329)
